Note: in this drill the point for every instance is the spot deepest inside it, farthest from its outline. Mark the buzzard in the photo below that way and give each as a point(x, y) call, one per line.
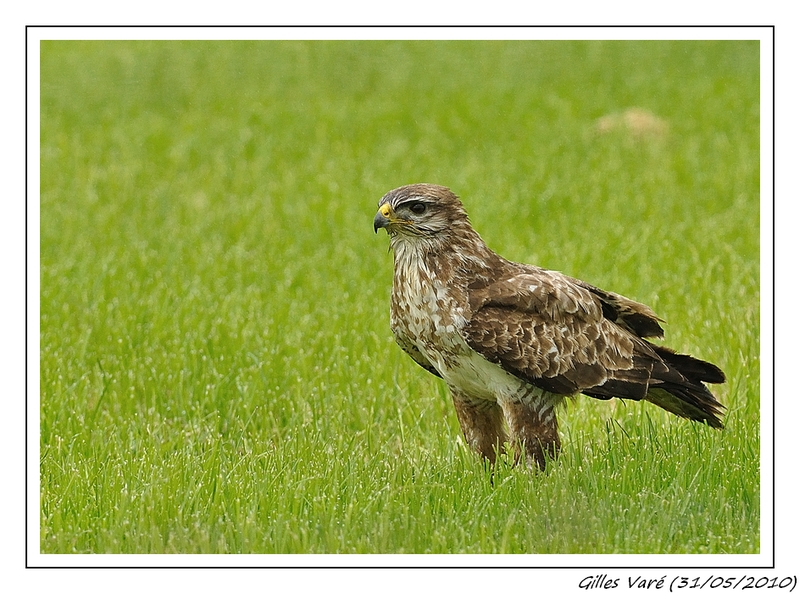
point(513, 340)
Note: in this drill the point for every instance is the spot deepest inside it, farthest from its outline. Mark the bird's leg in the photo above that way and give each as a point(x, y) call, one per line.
point(482, 424)
point(533, 429)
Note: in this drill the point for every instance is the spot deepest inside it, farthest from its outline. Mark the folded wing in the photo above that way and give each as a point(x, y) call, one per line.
point(566, 336)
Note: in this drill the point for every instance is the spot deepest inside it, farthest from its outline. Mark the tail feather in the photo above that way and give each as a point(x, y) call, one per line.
point(670, 380)
point(689, 404)
point(682, 391)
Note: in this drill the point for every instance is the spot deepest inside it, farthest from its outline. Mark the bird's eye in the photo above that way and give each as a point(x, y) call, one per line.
point(417, 207)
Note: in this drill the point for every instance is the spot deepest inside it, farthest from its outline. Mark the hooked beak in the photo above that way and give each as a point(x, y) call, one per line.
point(383, 218)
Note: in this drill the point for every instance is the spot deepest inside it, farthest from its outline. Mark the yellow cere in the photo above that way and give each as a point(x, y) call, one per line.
point(386, 210)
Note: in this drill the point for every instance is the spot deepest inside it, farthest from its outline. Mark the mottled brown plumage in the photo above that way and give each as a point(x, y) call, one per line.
point(513, 340)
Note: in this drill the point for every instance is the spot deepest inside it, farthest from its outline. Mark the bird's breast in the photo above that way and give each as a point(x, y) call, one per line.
point(425, 308)
point(430, 312)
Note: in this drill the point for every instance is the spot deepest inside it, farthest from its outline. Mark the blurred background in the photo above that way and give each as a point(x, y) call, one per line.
point(214, 304)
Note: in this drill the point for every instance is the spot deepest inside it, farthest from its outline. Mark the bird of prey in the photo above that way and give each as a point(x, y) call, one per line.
point(512, 341)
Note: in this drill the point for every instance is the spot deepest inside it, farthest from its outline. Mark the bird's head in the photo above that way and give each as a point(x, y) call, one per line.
point(419, 211)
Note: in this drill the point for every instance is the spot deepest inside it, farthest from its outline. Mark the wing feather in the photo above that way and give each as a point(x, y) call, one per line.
point(544, 328)
point(566, 336)
point(412, 351)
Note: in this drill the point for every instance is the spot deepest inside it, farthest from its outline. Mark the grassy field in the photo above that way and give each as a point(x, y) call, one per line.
point(217, 369)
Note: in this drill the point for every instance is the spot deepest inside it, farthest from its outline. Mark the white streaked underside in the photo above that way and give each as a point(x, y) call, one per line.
point(427, 315)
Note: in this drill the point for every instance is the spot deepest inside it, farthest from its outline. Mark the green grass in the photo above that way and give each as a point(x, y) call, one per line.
point(217, 369)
